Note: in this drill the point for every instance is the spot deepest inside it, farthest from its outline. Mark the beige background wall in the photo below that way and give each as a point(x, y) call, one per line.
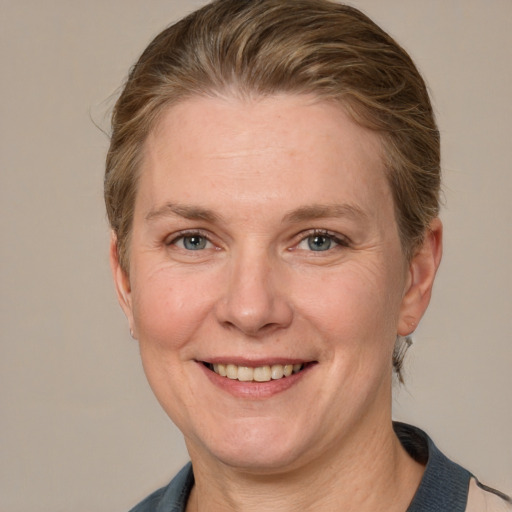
point(80, 429)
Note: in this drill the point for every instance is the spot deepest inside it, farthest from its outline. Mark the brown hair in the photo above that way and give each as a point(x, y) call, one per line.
point(264, 47)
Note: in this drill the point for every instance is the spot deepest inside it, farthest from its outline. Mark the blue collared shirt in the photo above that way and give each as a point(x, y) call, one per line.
point(445, 486)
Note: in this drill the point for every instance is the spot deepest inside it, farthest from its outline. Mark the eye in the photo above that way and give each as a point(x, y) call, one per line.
point(321, 241)
point(192, 242)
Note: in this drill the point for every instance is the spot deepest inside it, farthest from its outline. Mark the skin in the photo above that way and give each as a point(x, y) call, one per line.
point(250, 181)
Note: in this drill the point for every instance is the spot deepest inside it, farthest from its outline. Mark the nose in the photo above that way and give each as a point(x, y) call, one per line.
point(255, 300)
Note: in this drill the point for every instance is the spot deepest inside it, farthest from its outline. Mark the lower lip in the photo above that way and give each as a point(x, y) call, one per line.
point(254, 390)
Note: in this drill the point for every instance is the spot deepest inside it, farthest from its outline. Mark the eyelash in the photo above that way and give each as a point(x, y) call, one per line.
point(334, 237)
point(188, 234)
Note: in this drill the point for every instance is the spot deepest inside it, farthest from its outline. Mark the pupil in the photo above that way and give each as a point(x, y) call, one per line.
point(319, 243)
point(194, 242)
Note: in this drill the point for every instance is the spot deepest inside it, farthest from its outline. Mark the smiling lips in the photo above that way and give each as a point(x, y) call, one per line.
point(258, 374)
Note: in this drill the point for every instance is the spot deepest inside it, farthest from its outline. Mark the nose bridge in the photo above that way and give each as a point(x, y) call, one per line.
point(254, 301)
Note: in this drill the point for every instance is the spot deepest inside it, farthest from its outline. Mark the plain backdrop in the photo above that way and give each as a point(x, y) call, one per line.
point(80, 429)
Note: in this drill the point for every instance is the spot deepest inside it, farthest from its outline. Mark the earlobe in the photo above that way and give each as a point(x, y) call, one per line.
point(121, 282)
point(422, 271)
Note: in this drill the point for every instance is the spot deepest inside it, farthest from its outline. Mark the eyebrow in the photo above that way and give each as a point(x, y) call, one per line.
point(304, 213)
point(185, 211)
point(321, 211)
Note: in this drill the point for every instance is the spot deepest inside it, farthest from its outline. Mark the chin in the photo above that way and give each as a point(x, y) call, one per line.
point(259, 461)
point(263, 450)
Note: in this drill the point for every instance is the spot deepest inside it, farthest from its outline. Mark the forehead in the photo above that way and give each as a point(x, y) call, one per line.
point(281, 147)
point(290, 116)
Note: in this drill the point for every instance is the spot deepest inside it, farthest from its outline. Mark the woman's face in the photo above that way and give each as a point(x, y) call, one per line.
point(264, 238)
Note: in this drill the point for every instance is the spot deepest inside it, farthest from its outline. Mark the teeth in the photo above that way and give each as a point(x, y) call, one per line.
point(277, 371)
point(245, 374)
point(262, 374)
point(287, 370)
point(231, 371)
point(258, 374)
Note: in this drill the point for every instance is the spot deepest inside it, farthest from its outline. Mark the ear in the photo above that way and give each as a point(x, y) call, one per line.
point(121, 282)
point(421, 273)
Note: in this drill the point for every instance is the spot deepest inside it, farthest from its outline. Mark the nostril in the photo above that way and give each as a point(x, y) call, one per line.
point(253, 330)
point(253, 302)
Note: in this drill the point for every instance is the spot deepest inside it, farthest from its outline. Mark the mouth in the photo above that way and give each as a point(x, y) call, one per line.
point(264, 373)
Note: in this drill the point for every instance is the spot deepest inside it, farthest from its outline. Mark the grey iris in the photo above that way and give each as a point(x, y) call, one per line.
point(194, 242)
point(319, 243)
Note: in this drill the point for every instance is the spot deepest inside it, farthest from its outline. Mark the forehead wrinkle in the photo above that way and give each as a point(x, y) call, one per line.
point(189, 212)
point(317, 211)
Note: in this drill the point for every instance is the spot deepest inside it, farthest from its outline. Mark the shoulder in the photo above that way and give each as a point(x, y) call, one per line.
point(171, 498)
point(484, 499)
point(150, 503)
point(446, 486)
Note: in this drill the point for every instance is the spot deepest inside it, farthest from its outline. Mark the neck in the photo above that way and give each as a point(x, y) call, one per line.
point(374, 475)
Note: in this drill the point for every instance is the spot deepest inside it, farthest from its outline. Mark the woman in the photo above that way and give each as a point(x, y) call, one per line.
point(272, 185)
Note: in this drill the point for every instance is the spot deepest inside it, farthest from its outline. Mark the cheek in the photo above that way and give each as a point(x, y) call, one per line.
point(169, 306)
point(356, 306)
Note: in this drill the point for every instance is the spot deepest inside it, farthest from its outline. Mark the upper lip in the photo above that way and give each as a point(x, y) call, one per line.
point(254, 363)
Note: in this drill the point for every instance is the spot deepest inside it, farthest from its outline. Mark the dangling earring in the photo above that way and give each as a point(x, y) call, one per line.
point(402, 345)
